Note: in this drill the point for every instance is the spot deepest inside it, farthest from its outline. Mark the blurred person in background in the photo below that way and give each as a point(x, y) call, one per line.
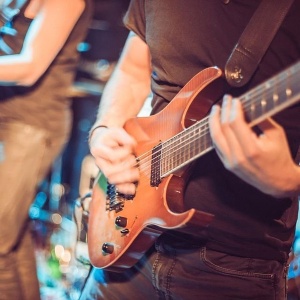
point(38, 58)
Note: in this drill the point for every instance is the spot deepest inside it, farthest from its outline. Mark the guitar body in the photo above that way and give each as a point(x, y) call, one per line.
point(153, 210)
point(121, 230)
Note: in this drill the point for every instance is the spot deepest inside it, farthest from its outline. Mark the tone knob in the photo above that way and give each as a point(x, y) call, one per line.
point(108, 248)
point(121, 221)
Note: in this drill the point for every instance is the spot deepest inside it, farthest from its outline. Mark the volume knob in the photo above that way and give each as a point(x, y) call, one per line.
point(121, 221)
point(108, 248)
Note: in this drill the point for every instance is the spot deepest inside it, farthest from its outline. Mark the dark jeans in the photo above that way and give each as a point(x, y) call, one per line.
point(170, 273)
point(26, 155)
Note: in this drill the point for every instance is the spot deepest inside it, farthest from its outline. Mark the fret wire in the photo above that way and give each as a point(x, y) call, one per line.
point(248, 102)
point(183, 151)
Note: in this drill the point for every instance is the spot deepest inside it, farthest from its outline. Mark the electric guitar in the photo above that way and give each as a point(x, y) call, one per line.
point(121, 229)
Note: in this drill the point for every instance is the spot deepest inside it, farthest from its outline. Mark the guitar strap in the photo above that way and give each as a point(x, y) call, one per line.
point(255, 40)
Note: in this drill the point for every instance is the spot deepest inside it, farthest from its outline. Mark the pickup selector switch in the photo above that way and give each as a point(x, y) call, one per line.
point(125, 231)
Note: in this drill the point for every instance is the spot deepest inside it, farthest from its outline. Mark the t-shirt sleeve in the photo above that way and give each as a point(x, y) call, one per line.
point(134, 18)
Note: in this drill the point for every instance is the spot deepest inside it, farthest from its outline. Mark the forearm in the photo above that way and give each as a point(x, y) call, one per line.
point(123, 98)
point(46, 35)
point(128, 87)
point(16, 69)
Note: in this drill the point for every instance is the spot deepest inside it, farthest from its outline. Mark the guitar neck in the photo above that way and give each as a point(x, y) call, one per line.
point(262, 102)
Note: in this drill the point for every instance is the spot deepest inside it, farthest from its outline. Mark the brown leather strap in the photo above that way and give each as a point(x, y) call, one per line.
point(255, 40)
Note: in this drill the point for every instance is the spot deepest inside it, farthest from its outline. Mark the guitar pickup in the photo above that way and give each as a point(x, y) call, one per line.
point(155, 179)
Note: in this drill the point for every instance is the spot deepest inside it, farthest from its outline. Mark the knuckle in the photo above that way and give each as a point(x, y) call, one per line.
point(252, 154)
point(233, 123)
point(235, 164)
point(226, 126)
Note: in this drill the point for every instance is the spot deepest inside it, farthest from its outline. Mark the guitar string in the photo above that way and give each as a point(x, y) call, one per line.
point(171, 153)
point(188, 132)
point(145, 161)
point(257, 91)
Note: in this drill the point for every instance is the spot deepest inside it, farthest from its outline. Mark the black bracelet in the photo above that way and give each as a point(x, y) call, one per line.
point(93, 129)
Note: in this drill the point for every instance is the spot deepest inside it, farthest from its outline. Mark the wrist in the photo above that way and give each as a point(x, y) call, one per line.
point(93, 129)
point(291, 188)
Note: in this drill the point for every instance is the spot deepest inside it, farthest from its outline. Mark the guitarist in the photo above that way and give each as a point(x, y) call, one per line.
point(250, 182)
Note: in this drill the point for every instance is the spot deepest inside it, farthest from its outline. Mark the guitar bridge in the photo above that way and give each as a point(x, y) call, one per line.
point(115, 200)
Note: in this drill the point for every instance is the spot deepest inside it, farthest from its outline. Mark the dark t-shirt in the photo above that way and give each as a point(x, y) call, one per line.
point(184, 38)
point(45, 104)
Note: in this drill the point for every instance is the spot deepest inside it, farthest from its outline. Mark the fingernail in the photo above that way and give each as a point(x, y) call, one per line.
point(226, 98)
point(214, 109)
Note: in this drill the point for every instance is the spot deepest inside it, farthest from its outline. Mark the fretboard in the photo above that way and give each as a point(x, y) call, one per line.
point(262, 102)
